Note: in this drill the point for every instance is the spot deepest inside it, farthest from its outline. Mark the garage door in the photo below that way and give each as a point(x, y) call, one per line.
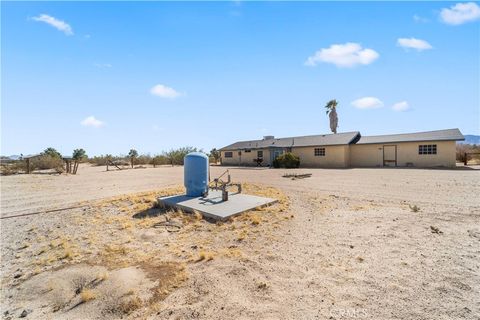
point(389, 155)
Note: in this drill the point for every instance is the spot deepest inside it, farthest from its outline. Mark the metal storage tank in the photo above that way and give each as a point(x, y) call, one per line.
point(195, 176)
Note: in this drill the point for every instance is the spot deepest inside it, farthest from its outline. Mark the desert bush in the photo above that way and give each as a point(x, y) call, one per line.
point(462, 148)
point(46, 161)
point(214, 155)
point(13, 168)
point(143, 159)
point(159, 160)
point(52, 152)
point(103, 159)
point(287, 160)
point(175, 156)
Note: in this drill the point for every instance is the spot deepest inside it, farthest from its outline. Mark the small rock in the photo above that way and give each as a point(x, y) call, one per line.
point(25, 313)
point(435, 230)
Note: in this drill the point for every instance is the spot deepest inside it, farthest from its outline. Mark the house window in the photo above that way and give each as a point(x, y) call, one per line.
point(228, 154)
point(260, 154)
point(248, 150)
point(319, 152)
point(427, 149)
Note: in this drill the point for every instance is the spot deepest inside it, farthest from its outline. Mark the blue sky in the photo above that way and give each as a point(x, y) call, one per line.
point(110, 76)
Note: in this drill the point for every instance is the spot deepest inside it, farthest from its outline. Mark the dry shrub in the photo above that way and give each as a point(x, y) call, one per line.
point(129, 304)
point(205, 255)
point(463, 148)
point(46, 162)
point(13, 168)
point(87, 295)
point(102, 276)
point(255, 218)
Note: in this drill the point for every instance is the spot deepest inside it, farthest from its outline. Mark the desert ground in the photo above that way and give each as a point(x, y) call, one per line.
point(342, 244)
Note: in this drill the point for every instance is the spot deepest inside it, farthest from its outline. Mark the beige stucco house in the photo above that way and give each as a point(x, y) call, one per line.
point(350, 149)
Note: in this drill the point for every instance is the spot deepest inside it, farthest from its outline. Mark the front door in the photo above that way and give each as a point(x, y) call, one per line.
point(274, 153)
point(389, 155)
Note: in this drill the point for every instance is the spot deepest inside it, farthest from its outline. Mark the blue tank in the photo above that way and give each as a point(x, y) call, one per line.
point(195, 173)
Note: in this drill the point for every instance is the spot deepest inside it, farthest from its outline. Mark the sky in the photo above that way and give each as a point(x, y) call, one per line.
point(111, 76)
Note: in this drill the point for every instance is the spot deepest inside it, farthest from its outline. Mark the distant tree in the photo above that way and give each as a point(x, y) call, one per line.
point(132, 155)
point(175, 156)
point(332, 113)
point(215, 154)
point(52, 152)
point(77, 156)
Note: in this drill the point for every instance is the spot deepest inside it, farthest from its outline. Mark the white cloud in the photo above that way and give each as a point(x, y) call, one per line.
point(163, 91)
point(412, 43)
point(103, 65)
point(54, 22)
point(420, 19)
point(401, 106)
point(460, 13)
point(367, 103)
point(92, 122)
point(343, 55)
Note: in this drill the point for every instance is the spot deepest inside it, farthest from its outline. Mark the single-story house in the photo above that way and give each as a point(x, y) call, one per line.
point(350, 149)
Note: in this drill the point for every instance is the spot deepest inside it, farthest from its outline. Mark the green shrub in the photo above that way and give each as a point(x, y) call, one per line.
point(143, 159)
point(287, 160)
point(176, 156)
point(159, 160)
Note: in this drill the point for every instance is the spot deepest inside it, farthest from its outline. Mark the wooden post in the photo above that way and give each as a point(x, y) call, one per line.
point(28, 165)
point(465, 159)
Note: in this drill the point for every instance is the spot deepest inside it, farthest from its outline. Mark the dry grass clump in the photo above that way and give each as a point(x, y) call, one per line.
point(255, 218)
point(102, 276)
point(87, 295)
point(205, 255)
point(129, 304)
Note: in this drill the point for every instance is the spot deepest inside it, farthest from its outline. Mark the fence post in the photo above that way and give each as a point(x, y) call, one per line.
point(465, 159)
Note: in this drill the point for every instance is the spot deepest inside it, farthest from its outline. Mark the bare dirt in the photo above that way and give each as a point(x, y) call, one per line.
point(342, 244)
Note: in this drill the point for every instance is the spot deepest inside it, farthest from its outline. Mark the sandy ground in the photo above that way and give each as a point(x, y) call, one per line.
point(342, 244)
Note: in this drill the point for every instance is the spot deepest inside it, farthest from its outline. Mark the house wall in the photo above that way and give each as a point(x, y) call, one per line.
point(245, 158)
point(356, 155)
point(371, 155)
point(335, 156)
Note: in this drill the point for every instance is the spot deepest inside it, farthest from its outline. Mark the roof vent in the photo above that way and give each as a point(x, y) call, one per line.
point(268, 137)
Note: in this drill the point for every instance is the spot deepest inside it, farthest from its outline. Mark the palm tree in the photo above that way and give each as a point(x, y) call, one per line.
point(332, 113)
point(78, 155)
point(132, 154)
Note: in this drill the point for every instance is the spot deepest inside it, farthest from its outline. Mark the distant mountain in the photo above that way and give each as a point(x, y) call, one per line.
point(471, 139)
point(12, 157)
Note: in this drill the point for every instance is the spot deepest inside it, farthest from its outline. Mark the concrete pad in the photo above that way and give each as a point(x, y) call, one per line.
point(213, 207)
